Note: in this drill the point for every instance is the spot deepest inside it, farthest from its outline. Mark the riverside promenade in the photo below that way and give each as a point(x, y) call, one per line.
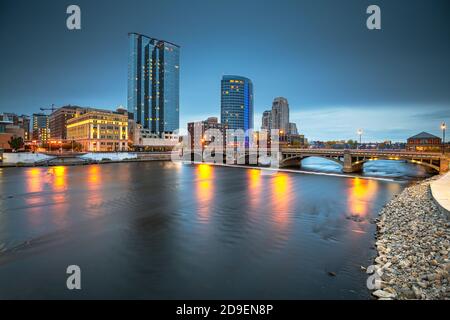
point(440, 190)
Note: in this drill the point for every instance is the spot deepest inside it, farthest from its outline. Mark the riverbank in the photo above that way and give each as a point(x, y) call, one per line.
point(413, 244)
point(39, 160)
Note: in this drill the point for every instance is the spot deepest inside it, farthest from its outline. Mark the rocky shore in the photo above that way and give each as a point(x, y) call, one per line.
point(413, 244)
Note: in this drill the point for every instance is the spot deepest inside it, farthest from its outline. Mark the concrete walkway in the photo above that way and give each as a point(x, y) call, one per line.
point(440, 189)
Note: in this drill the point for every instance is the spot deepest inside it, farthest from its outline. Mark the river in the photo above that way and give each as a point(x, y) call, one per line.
point(160, 230)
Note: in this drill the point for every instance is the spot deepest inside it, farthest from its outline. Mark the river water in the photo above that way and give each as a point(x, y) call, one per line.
point(160, 230)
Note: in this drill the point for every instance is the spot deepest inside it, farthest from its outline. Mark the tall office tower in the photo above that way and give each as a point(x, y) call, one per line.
point(41, 130)
point(280, 114)
point(266, 123)
point(58, 120)
point(237, 103)
point(293, 128)
point(154, 83)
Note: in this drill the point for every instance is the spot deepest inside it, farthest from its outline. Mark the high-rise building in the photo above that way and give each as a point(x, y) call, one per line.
point(293, 128)
point(266, 123)
point(237, 102)
point(41, 129)
point(280, 115)
point(58, 120)
point(153, 83)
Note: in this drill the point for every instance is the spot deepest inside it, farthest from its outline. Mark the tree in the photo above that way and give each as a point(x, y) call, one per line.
point(16, 143)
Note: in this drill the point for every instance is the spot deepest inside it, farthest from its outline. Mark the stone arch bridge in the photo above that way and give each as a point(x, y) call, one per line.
point(353, 160)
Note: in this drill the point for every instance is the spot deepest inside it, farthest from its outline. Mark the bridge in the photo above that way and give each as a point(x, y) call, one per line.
point(353, 160)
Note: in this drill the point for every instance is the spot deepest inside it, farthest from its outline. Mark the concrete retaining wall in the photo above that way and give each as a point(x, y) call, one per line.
point(113, 156)
point(440, 190)
point(23, 157)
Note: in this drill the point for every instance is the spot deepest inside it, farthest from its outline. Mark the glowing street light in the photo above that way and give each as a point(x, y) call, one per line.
point(443, 127)
point(359, 132)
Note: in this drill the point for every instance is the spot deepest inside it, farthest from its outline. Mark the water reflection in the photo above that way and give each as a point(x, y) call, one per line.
point(93, 176)
point(254, 188)
point(281, 198)
point(33, 180)
point(361, 193)
point(59, 178)
point(204, 190)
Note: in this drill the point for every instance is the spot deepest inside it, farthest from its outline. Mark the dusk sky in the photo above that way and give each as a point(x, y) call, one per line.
point(337, 75)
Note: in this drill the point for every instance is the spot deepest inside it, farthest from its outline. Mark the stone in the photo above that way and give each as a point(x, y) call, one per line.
point(383, 294)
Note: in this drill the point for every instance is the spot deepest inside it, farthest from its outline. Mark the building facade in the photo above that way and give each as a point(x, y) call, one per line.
point(280, 115)
point(293, 128)
point(58, 121)
point(424, 141)
point(7, 131)
point(266, 121)
point(41, 127)
point(198, 133)
point(22, 121)
point(237, 102)
point(153, 83)
point(99, 130)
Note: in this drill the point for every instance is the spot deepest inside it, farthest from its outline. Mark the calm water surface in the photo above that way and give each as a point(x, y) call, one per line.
point(163, 230)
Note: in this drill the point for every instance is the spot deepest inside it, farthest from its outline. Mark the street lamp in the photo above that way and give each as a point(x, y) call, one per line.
point(443, 127)
point(359, 132)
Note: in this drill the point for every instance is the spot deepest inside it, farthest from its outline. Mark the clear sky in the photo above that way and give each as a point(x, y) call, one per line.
point(337, 75)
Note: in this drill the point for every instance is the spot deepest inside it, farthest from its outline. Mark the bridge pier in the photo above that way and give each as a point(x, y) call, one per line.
point(350, 165)
point(444, 165)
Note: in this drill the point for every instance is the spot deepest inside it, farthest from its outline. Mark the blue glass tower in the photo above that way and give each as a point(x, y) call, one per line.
point(237, 102)
point(154, 83)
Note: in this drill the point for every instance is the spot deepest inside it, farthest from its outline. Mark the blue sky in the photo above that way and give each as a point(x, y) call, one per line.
point(337, 75)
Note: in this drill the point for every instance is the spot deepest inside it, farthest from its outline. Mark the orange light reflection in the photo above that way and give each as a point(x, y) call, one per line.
point(204, 190)
point(281, 198)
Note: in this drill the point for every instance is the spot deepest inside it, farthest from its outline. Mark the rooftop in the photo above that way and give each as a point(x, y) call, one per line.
point(424, 135)
point(143, 35)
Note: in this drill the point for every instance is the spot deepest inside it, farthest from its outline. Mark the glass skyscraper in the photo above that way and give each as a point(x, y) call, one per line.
point(237, 102)
point(154, 83)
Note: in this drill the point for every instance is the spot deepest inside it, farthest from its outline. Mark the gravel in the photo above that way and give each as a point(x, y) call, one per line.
point(413, 243)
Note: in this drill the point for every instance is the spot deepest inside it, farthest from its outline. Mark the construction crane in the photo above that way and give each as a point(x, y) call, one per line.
point(52, 109)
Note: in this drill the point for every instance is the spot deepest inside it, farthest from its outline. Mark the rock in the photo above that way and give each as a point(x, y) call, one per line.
point(383, 294)
point(407, 293)
point(413, 245)
point(417, 292)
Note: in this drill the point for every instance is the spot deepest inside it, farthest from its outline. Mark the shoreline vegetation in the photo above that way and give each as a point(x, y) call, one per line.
point(413, 244)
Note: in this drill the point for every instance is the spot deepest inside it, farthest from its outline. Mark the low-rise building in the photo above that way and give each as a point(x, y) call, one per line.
point(7, 131)
point(144, 140)
point(424, 141)
point(22, 121)
point(202, 132)
point(99, 130)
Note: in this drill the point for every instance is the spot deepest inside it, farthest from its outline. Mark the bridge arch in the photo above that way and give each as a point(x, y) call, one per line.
point(293, 160)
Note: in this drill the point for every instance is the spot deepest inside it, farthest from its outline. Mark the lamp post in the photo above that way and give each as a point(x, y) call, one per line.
point(359, 132)
point(443, 127)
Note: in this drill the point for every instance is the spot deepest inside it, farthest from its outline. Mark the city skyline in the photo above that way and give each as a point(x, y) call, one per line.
point(393, 83)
